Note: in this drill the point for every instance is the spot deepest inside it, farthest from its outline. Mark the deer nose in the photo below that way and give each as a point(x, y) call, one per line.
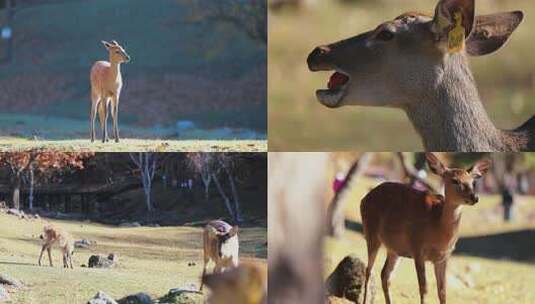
point(319, 59)
point(474, 198)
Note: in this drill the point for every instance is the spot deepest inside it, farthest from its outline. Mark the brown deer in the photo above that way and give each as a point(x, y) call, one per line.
point(419, 63)
point(221, 246)
point(55, 235)
point(418, 225)
point(106, 84)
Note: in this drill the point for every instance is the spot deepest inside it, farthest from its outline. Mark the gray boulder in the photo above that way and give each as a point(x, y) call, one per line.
point(7, 280)
point(347, 281)
point(138, 298)
point(102, 298)
point(184, 295)
point(100, 261)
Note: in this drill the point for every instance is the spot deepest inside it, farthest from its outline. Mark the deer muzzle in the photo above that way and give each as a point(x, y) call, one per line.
point(320, 60)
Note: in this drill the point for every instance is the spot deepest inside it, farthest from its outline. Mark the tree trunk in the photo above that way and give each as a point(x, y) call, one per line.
point(224, 196)
point(32, 181)
point(16, 191)
point(237, 211)
point(206, 180)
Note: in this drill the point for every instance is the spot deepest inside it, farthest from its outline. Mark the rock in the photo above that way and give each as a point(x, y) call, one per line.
point(133, 224)
point(4, 296)
point(100, 261)
point(184, 295)
point(190, 264)
point(336, 300)
point(83, 243)
point(7, 280)
point(102, 298)
point(113, 257)
point(15, 212)
point(138, 298)
point(347, 281)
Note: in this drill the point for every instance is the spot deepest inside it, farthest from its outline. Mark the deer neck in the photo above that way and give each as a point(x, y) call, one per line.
point(451, 214)
point(115, 70)
point(449, 116)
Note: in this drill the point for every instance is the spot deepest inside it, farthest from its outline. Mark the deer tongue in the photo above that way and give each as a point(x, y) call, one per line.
point(337, 80)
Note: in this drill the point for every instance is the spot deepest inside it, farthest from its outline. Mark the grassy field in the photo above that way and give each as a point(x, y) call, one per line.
point(500, 255)
point(136, 145)
point(151, 260)
point(505, 78)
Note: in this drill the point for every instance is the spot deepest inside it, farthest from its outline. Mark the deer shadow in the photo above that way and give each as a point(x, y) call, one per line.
point(513, 245)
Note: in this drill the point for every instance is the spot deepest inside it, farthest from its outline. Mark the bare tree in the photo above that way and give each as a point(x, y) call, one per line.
point(146, 163)
point(210, 166)
point(46, 162)
point(247, 15)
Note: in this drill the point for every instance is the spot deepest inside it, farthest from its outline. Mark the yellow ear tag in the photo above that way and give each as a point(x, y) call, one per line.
point(456, 35)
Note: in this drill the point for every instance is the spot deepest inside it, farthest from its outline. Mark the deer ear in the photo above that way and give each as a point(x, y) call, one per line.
point(106, 44)
point(233, 231)
point(480, 168)
point(491, 32)
point(114, 42)
point(435, 164)
point(453, 22)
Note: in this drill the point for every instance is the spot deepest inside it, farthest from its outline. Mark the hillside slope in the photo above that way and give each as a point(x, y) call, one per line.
point(182, 68)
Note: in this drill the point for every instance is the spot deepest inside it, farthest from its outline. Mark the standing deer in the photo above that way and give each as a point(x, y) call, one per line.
point(419, 63)
point(54, 235)
point(221, 245)
point(106, 84)
point(418, 225)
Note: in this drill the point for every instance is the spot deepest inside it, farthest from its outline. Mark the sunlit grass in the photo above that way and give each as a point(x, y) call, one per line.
point(136, 145)
point(151, 260)
point(497, 281)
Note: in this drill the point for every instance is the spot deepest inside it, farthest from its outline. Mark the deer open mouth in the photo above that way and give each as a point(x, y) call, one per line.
point(336, 90)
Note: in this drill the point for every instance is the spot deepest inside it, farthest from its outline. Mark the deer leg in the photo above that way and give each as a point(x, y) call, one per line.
point(101, 116)
point(70, 260)
point(420, 271)
point(203, 272)
point(440, 275)
point(41, 254)
point(93, 115)
point(49, 250)
point(373, 247)
point(105, 132)
point(386, 273)
point(115, 118)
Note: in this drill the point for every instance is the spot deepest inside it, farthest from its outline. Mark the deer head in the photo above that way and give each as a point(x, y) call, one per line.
point(117, 52)
point(400, 61)
point(459, 183)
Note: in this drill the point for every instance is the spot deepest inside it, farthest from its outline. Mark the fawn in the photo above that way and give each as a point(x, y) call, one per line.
point(106, 85)
point(52, 235)
point(221, 245)
point(419, 63)
point(418, 225)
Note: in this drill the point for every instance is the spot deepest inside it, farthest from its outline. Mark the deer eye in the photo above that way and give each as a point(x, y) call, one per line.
point(385, 35)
